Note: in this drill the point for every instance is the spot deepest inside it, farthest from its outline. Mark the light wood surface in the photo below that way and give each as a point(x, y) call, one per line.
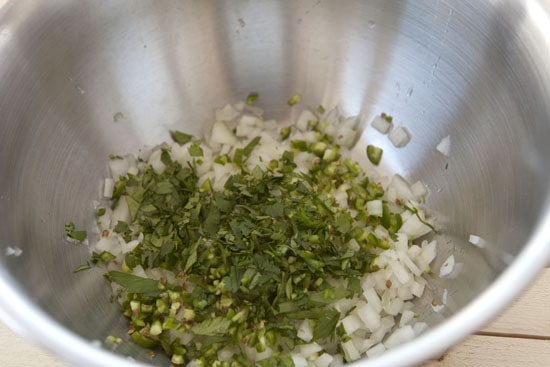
point(520, 337)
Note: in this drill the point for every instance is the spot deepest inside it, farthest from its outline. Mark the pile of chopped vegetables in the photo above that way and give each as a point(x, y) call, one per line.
point(263, 245)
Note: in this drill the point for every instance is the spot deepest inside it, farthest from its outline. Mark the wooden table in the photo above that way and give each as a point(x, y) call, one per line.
point(520, 337)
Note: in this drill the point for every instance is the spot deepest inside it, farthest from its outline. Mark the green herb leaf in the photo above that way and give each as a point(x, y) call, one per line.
point(121, 227)
point(78, 236)
point(195, 150)
point(326, 324)
point(180, 138)
point(192, 258)
point(134, 284)
point(216, 326)
point(274, 210)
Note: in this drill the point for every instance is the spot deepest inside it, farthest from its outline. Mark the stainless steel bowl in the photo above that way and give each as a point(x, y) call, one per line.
point(478, 71)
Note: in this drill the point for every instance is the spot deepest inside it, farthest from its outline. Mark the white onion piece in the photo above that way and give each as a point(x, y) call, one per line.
point(444, 146)
point(351, 323)
point(303, 121)
point(399, 136)
point(351, 352)
point(255, 110)
point(138, 271)
point(399, 336)
point(417, 287)
point(381, 124)
point(419, 190)
point(429, 251)
point(13, 251)
point(226, 354)
point(386, 323)
point(345, 137)
point(133, 170)
point(156, 162)
point(305, 332)
point(118, 167)
point(374, 207)
point(419, 327)
point(372, 299)
point(333, 117)
point(402, 188)
point(129, 246)
point(437, 307)
point(376, 350)
point(447, 267)
point(477, 241)
point(414, 228)
point(239, 106)
point(369, 316)
point(226, 113)
point(338, 361)
point(406, 317)
point(108, 188)
point(324, 360)
point(298, 359)
point(121, 212)
point(222, 135)
point(308, 349)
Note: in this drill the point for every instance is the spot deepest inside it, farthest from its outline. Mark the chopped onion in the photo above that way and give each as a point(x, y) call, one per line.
point(369, 316)
point(307, 350)
point(399, 136)
point(444, 146)
point(13, 251)
point(324, 360)
point(419, 190)
point(447, 267)
point(299, 360)
point(477, 241)
point(303, 121)
point(406, 317)
point(414, 228)
point(374, 207)
point(399, 336)
point(381, 124)
point(305, 332)
point(338, 361)
point(222, 135)
point(376, 350)
point(352, 354)
point(226, 113)
point(419, 327)
point(156, 162)
point(121, 212)
point(108, 187)
point(351, 323)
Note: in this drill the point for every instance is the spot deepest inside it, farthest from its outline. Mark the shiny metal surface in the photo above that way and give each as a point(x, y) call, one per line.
point(475, 70)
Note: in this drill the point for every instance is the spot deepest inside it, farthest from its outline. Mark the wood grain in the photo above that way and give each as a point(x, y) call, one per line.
point(494, 351)
point(529, 316)
point(15, 351)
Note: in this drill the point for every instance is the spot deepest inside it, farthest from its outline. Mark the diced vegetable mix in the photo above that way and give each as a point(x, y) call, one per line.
point(263, 245)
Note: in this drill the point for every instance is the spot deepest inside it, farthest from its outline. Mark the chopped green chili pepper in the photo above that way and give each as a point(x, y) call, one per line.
point(294, 99)
point(374, 154)
point(252, 97)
